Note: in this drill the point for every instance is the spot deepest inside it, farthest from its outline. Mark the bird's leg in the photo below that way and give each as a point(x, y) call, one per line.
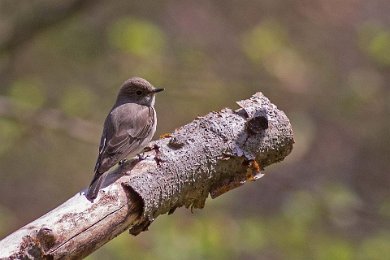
point(122, 162)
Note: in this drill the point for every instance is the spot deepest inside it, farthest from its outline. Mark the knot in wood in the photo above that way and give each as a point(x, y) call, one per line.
point(257, 124)
point(46, 238)
point(176, 143)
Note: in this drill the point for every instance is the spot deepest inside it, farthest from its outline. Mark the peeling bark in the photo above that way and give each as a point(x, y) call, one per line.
point(211, 155)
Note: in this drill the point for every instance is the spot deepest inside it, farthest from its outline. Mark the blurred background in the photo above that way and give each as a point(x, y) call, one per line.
point(326, 63)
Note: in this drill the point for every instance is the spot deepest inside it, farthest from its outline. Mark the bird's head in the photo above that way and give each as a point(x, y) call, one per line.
point(138, 90)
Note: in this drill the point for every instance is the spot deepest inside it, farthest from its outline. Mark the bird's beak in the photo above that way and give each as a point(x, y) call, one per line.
point(156, 90)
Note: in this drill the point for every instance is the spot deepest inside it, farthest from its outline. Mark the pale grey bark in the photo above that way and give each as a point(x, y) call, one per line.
point(211, 155)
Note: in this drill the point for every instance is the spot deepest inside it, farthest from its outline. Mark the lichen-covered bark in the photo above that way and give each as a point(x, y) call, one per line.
point(211, 155)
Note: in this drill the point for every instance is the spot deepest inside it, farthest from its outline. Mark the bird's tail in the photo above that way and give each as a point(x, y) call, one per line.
point(95, 185)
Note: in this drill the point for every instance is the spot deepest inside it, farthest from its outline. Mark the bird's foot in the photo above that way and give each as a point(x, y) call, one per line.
point(142, 156)
point(151, 148)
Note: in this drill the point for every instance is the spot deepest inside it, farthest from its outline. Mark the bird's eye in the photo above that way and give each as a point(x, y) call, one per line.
point(139, 92)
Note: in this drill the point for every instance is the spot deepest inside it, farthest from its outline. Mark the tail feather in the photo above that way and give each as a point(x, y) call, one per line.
point(94, 187)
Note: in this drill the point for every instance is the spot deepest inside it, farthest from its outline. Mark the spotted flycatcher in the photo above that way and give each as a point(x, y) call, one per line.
point(128, 128)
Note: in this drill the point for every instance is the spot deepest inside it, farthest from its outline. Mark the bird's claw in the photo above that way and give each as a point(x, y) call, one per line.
point(148, 149)
point(142, 156)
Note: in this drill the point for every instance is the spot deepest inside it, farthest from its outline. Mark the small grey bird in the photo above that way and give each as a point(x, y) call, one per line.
point(128, 128)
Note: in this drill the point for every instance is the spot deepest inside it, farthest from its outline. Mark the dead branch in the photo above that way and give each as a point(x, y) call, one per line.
point(211, 155)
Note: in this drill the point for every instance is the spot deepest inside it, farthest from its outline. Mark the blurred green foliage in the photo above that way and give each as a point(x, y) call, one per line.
point(375, 41)
point(138, 37)
point(78, 101)
point(325, 63)
point(10, 131)
point(268, 38)
point(28, 92)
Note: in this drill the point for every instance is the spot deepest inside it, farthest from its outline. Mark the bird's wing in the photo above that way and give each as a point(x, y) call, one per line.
point(108, 131)
point(125, 128)
point(133, 123)
point(98, 178)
